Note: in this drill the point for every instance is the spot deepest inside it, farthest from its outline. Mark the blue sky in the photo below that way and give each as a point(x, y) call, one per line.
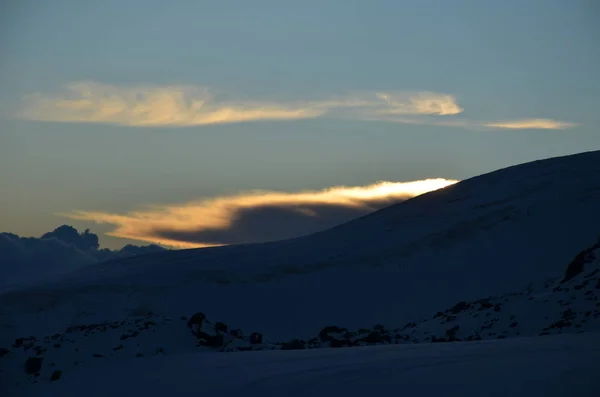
point(182, 101)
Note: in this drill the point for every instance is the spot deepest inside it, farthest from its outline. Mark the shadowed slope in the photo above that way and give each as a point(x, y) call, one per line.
point(483, 236)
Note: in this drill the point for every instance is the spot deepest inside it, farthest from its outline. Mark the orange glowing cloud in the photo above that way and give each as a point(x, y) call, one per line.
point(181, 106)
point(243, 217)
point(540, 124)
point(185, 106)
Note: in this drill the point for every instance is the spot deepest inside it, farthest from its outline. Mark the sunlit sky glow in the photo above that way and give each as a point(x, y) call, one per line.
point(220, 213)
point(127, 116)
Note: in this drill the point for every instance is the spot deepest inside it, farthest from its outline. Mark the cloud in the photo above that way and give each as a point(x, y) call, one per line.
point(90, 102)
point(540, 124)
point(420, 103)
point(24, 259)
point(522, 124)
point(255, 216)
point(181, 106)
point(185, 106)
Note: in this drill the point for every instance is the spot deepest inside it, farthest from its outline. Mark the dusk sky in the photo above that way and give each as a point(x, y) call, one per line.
point(157, 121)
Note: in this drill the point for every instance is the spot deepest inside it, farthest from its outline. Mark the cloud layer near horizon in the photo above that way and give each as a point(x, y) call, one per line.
point(184, 106)
point(24, 259)
point(255, 216)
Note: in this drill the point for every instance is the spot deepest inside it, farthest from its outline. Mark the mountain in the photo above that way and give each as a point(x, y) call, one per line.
point(137, 351)
point(27, 259)
point(461, 263)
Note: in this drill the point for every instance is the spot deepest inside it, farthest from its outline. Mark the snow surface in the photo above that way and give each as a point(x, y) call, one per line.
point(563, 365)
point(555, 306)
point(503, 238)
point(484, 236)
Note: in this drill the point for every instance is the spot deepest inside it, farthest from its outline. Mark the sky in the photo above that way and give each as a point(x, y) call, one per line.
point(194, 123)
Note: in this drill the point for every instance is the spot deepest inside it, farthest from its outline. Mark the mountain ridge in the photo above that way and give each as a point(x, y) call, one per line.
point(566, 304)
point(482, 237)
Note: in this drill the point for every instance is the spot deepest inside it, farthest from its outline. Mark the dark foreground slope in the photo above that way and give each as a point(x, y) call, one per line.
point(484, 236)
point(566, 305)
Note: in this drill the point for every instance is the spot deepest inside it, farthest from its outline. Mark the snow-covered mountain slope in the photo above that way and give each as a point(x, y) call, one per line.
point(567, 304)
point(558, 365)
point(483, 236)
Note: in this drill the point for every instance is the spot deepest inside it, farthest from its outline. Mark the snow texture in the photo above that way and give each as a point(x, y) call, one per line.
point(492, 257)
point(563, 365)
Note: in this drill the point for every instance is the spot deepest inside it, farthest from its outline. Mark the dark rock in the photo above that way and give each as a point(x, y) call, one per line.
point(324, 333)
point(39, 350)
point(3, 351)
point(236, 333)
point(459, 307)
point(295, 344)
point(33, 365)
point(256, 338)
point(213, 341)
point(485, 305)
point(55, 375)
point(569, 314)
point(19, 342)
point(221, 327)
point(196, 319)
point(577, 264)
point(451, 334)
point(375, 337)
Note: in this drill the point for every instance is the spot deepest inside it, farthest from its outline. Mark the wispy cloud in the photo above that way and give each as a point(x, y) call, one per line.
point(184, 106)
point(425, 103)
point(255, 216)
point(540, 124)
point(144, 106)
point(91, 102)
point(521, 124)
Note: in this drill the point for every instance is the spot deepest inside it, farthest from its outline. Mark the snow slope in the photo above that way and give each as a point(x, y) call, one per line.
point(514, 230)
point(562, 365)
point(483, 236)
point(567, 304)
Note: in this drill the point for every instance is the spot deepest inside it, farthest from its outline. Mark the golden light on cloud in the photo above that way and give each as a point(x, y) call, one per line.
point(181, 106)
point(540, 124)
point(525, 124)
point(185, 106)
point(222, 213)
point(421, 103)
point(147, 106)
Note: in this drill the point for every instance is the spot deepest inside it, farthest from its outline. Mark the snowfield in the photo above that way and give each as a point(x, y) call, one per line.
point(565, 305)
point(484, 236)
point(497, 264)
point(563, 365)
